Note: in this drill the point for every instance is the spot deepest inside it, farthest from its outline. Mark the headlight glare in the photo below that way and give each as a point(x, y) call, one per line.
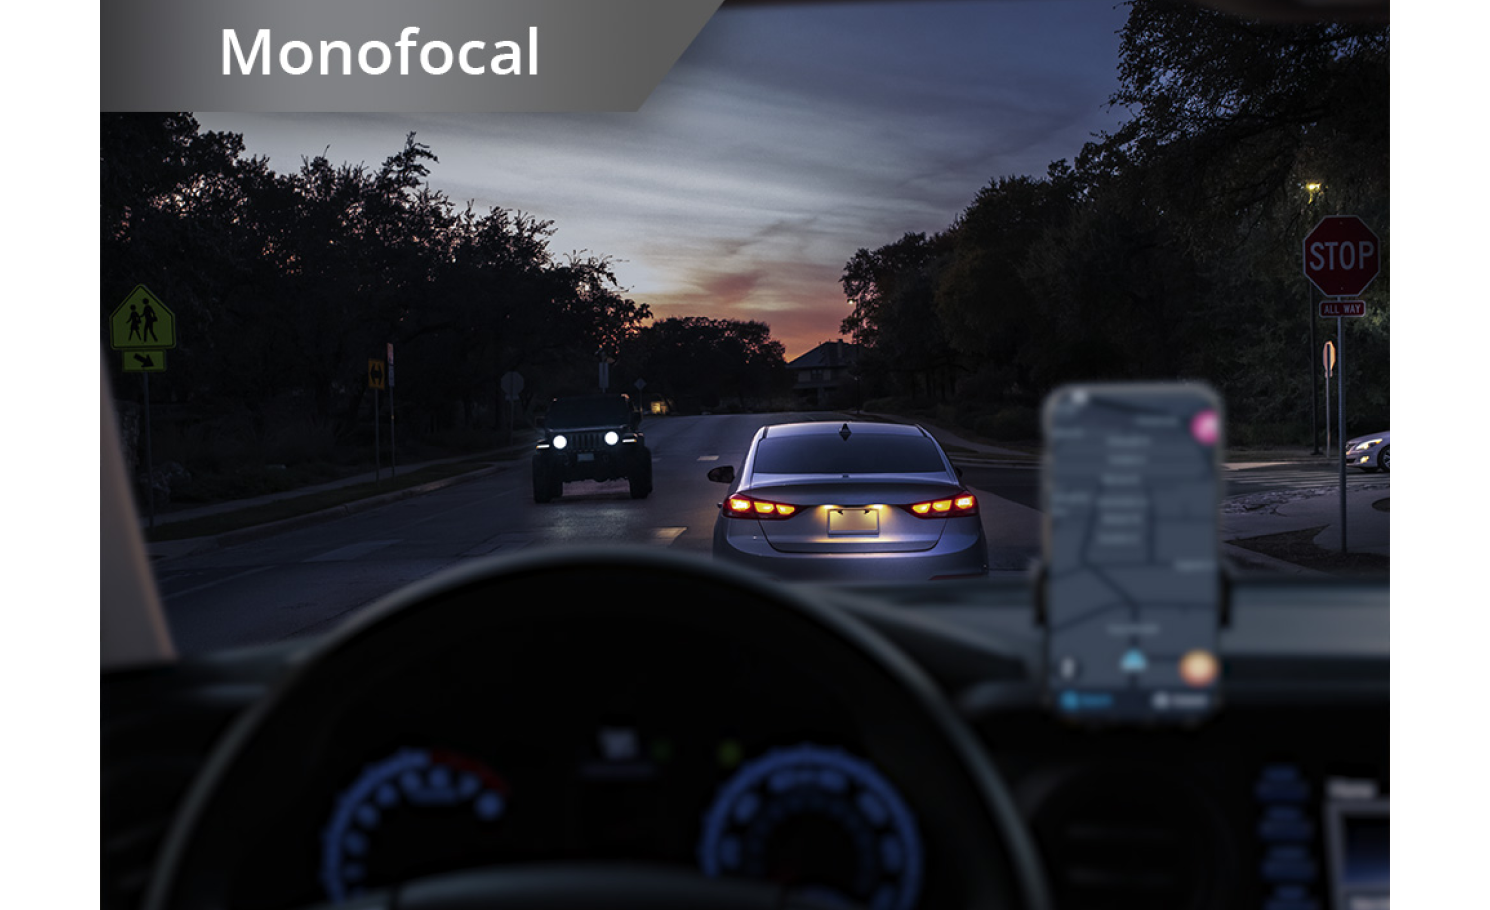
point(560, 442)
point(612, 438)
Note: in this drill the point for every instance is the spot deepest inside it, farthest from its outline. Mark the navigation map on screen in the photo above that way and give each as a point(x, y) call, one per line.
point(1133, 587)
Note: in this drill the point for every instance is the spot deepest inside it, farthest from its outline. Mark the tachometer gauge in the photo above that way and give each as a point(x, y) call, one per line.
point(416, 813)
point(819, 821)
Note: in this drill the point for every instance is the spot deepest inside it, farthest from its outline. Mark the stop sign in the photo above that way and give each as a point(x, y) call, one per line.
point(1341, 256)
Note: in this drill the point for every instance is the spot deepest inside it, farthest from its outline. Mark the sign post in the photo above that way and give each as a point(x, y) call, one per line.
point(1314, 389)
point(143, 327)
point(149, 454)
point(1329, 371)
point(1340, 334)
point(1341, 257)
point(392, 417)
point(512, 383)
point(376, 381)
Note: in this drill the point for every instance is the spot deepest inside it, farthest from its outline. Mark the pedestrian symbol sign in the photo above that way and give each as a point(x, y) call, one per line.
point(142, 323)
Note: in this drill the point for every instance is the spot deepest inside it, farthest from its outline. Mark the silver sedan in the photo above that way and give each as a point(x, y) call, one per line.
point(849, 502)
point(1420, 450)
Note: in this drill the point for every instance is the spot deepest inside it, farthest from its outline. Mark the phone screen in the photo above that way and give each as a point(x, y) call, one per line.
point(1133, 586)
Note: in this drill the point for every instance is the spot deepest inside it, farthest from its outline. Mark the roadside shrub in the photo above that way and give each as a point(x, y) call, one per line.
point(1011, 424)
point(1254, 434)
point(297, 442)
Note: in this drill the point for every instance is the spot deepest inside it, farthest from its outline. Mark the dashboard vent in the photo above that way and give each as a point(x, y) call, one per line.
point(1140, 839)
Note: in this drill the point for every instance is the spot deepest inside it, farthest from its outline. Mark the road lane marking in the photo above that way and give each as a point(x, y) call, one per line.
point(708, 458)
point(482, 502)
point(665, 536)
point(212, 584)
point(351, 551)
point(500, 542)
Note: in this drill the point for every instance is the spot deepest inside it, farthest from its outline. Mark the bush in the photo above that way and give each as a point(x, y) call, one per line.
point(1271, 434)
point(902, 405)
point(1013, 424)
point(303, 440)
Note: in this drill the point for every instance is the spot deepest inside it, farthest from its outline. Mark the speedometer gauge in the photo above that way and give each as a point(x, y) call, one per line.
point(819, 821)
point(417, 812)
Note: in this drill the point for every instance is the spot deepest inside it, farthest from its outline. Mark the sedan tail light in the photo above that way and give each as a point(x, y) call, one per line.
point(961, 503)
point(742, 506)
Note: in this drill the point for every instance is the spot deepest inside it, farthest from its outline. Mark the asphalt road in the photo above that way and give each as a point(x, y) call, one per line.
point(308, 580)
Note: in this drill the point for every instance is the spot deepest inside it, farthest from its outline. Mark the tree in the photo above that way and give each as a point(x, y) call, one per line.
point(895, 318)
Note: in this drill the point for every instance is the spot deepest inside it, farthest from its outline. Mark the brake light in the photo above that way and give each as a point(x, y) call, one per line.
point(963, 503)
point(742, 506)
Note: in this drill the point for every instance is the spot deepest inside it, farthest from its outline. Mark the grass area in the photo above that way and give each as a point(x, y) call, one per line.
point(1298, 547)
point(295, 506)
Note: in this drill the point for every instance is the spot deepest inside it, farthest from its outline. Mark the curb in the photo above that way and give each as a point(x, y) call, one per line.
point(1252, 559)
point(193, 546)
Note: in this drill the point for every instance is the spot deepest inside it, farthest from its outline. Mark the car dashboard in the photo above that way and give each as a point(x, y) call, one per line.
point(572, 730)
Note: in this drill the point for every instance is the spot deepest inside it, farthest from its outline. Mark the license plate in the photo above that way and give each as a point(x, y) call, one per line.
point(853, 522)
point(585, 456)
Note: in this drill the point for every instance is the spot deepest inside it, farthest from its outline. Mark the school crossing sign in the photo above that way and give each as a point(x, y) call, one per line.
point(142, 323)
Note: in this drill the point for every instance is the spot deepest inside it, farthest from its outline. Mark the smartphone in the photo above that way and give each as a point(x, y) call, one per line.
point(1132, 584)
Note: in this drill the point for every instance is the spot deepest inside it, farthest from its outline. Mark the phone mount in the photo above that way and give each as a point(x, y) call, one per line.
point(1039, 575)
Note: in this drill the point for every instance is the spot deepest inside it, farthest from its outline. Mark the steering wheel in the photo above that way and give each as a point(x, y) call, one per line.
point(979, 854)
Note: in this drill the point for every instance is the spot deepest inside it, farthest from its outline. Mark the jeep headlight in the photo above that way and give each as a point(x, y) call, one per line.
point(612, 437)
point(560, 442)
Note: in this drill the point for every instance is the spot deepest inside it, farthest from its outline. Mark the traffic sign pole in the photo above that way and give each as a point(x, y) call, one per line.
point(149, 455)
point(392, 418)
point(1327, 374)
point(1314, 385)
point(1340, 330)
point(377, 438)
point(1329, 371)
point(1341, 257)
point(512, 384)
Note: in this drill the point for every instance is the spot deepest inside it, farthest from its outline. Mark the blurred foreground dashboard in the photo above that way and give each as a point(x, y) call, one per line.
point(630, 743)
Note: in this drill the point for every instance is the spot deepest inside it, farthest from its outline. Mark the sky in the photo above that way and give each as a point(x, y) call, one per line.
point(782, 141)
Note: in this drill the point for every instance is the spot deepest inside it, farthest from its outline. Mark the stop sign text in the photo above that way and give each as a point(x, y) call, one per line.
point(1341, 256)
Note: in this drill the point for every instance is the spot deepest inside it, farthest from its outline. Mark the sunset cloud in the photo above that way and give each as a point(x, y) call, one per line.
point(785, 139)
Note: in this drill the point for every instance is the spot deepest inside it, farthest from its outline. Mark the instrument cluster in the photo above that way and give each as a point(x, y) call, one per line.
point(628, 750)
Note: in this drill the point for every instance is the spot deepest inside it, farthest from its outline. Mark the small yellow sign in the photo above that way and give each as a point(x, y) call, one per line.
point(375, 375)
point(144, 361)
point(142, 323)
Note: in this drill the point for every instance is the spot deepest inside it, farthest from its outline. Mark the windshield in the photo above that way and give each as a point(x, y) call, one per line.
point(588, 412)
point(334, 341)
point(861, 453)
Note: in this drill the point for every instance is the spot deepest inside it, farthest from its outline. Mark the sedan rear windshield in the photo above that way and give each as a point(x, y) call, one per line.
point(588, 412)
point(862, 453)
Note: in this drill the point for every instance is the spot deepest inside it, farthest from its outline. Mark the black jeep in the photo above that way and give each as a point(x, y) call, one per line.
point(591, 437)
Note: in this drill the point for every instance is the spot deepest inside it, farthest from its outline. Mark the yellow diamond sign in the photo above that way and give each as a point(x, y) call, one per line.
point(142, 323)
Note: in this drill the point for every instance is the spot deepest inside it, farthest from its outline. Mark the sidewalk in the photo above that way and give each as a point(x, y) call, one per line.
point(1242, 517)
point(1368, 529)
point(235, 505)
point(174, 548)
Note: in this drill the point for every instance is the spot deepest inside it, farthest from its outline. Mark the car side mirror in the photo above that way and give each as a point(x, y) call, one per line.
point(636, 420)
point(725, 473)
